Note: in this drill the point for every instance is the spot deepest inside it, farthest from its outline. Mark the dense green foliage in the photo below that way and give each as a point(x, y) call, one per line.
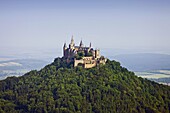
point(60, 88)
point(81, 54)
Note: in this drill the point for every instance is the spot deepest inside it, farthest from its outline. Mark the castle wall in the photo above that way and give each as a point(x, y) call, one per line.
point(87, 62)
point(102, 61)
point(87, 58)
point(89, 65)
point(76, 62)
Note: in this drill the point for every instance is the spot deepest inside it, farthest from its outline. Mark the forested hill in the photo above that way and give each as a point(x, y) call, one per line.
point(60, 88)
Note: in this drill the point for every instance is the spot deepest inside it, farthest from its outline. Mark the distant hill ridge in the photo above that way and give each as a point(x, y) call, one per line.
point(61, 88)
point(144, 61)
point(22, 64)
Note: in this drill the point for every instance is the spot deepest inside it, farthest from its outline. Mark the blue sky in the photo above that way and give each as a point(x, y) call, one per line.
point(117, 24)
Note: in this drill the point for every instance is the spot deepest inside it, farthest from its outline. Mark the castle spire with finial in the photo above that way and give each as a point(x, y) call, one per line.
point(81, 43)
point(71, 45)
point(72, 40)
point(90, 44)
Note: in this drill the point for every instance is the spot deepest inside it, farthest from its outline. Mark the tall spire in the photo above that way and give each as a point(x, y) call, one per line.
point(81, 43)
point(72, 40)
point(65, 46)
point(90, 44)
point(71, 45)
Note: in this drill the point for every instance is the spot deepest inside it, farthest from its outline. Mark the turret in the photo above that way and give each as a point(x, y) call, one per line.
point(71, 45)
point(81, 43)
point(65, 46)
point(90, 45)
point(64, 50)
point(97, 53)
point(72, 40)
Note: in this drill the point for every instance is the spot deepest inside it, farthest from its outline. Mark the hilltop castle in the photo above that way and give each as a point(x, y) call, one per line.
point(86, 57)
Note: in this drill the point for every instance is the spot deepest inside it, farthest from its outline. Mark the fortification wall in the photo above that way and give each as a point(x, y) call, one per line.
point(76, 62)
point(89, 65)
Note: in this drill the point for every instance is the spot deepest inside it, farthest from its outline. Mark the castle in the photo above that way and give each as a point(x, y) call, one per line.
point(86, 57)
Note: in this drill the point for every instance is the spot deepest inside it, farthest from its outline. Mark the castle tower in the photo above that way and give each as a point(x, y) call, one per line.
point(90, 45)
point(97, 53)
point(93, 53)
point(81, 43)
point(72, 40)
point(71, 45)
point(64, 50)
point(65, 46)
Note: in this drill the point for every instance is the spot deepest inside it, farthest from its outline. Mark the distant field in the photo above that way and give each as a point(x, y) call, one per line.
point(7, 73)
point(164, 71)
point(154, 74)
point(19, 67)
point(160, 76)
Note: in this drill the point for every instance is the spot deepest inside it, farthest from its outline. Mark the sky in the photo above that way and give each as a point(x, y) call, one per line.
point(134, 25)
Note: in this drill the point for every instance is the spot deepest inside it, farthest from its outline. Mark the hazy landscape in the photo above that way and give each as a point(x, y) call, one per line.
point(151, 66)
point(17, 62)
point(19, 67)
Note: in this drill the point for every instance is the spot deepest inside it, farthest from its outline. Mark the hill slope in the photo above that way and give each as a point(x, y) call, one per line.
point(60, 88)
